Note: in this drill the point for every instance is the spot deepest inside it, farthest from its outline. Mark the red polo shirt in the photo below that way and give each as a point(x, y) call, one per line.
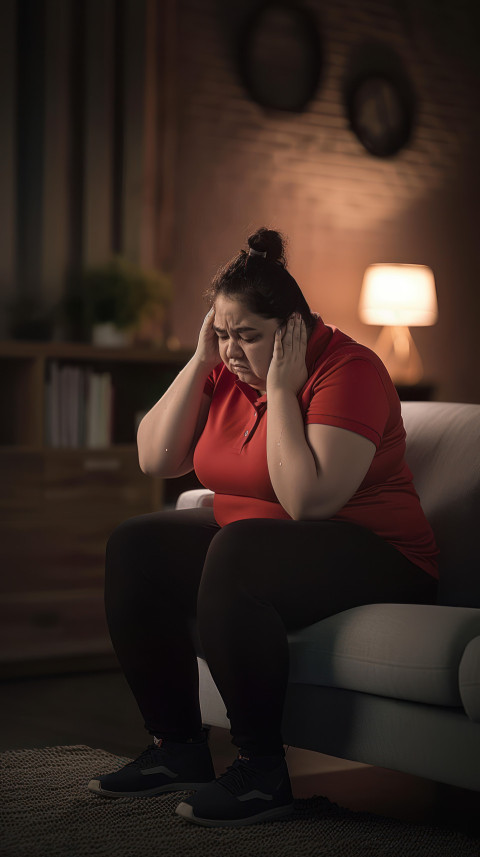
point(347, 386)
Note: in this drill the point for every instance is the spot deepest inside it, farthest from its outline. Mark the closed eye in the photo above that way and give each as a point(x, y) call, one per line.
point(242, 338)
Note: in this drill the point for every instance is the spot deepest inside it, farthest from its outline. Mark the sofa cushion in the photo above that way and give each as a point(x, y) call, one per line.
point(403, 651)
point(443, 453)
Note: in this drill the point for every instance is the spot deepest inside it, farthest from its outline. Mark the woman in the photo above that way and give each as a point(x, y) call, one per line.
point(297, 429)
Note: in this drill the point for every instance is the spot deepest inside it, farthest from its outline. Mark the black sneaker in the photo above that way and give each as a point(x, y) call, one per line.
point(244, 794)
point(169, 766)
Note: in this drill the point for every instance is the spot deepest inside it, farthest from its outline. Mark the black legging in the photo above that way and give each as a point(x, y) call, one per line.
point(247, 584)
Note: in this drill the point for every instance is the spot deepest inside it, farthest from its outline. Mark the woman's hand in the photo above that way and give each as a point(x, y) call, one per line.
point(287, 367)
point(207, 352)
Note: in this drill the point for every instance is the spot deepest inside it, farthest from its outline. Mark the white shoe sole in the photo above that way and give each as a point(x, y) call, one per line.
point(186, 812)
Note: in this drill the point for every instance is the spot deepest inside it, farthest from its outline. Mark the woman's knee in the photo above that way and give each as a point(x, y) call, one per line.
point(125, 537)
point(158, 552)
point(229, 562)
point(229, 547)
point(245, 547)
point(134, 550)
point(236, 539)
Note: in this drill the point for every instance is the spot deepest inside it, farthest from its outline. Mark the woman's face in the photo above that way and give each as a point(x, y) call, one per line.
point(245, 340)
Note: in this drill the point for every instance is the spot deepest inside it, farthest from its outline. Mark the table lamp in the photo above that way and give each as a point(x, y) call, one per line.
point(398, 296)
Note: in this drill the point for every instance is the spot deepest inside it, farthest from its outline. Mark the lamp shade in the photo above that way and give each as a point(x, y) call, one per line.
point(398, 294)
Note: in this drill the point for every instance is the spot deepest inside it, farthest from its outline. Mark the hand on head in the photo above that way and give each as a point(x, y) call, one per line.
point(207, 351)
point(288, 369)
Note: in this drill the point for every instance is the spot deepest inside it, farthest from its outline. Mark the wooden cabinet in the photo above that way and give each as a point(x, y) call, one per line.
point(59, 504)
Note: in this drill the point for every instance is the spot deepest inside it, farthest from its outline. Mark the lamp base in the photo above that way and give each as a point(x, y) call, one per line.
point(398, 352)
point(422, 392)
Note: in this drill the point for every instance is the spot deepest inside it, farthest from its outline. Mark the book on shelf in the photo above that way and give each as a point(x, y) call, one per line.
point(78, 407)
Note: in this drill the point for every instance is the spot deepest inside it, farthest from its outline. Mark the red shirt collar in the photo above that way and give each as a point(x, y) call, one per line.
point(317, 343)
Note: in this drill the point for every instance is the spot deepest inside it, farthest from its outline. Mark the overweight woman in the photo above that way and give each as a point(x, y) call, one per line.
point(297, 429)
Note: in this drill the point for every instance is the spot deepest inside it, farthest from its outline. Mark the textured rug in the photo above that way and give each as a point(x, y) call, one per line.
point(46, 811)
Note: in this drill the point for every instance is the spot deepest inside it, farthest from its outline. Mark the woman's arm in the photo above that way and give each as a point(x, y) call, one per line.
point(314, 470)
point(168, 433)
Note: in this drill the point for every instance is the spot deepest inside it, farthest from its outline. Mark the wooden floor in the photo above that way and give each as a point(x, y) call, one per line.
point(97, 709)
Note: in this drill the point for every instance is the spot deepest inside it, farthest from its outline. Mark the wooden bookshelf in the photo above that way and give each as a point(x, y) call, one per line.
point(59, 504)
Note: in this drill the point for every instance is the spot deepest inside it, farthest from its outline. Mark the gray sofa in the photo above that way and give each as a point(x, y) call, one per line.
point(398, 685)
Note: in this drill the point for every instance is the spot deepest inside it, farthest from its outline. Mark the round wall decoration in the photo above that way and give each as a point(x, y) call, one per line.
point(279, 55)
point(380, 109)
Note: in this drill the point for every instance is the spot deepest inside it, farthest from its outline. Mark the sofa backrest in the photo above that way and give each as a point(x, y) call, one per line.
point(443, 453)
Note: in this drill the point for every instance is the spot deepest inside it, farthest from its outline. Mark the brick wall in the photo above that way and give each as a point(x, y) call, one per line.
point(240, 166)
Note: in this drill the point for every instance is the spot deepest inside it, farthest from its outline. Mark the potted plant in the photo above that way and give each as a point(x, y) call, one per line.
point(120, 302)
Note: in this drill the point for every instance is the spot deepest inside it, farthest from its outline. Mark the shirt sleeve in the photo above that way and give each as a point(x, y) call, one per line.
point(209, 385)
point(351, 396)
point(212, 379)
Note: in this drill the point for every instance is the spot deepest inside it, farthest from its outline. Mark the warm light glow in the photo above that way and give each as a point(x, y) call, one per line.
point(398, 295)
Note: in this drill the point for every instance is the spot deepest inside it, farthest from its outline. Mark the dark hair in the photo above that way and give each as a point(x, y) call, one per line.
point(262, 282)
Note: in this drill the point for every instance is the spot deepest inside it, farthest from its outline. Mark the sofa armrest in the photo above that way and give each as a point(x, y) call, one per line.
point(195, 498)
point(469, 679)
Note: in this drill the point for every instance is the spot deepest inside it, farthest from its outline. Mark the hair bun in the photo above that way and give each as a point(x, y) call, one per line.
point(269, 241)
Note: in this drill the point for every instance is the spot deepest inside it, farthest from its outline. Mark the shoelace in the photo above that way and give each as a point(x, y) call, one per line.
point(238, 776)
point(148, 757)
